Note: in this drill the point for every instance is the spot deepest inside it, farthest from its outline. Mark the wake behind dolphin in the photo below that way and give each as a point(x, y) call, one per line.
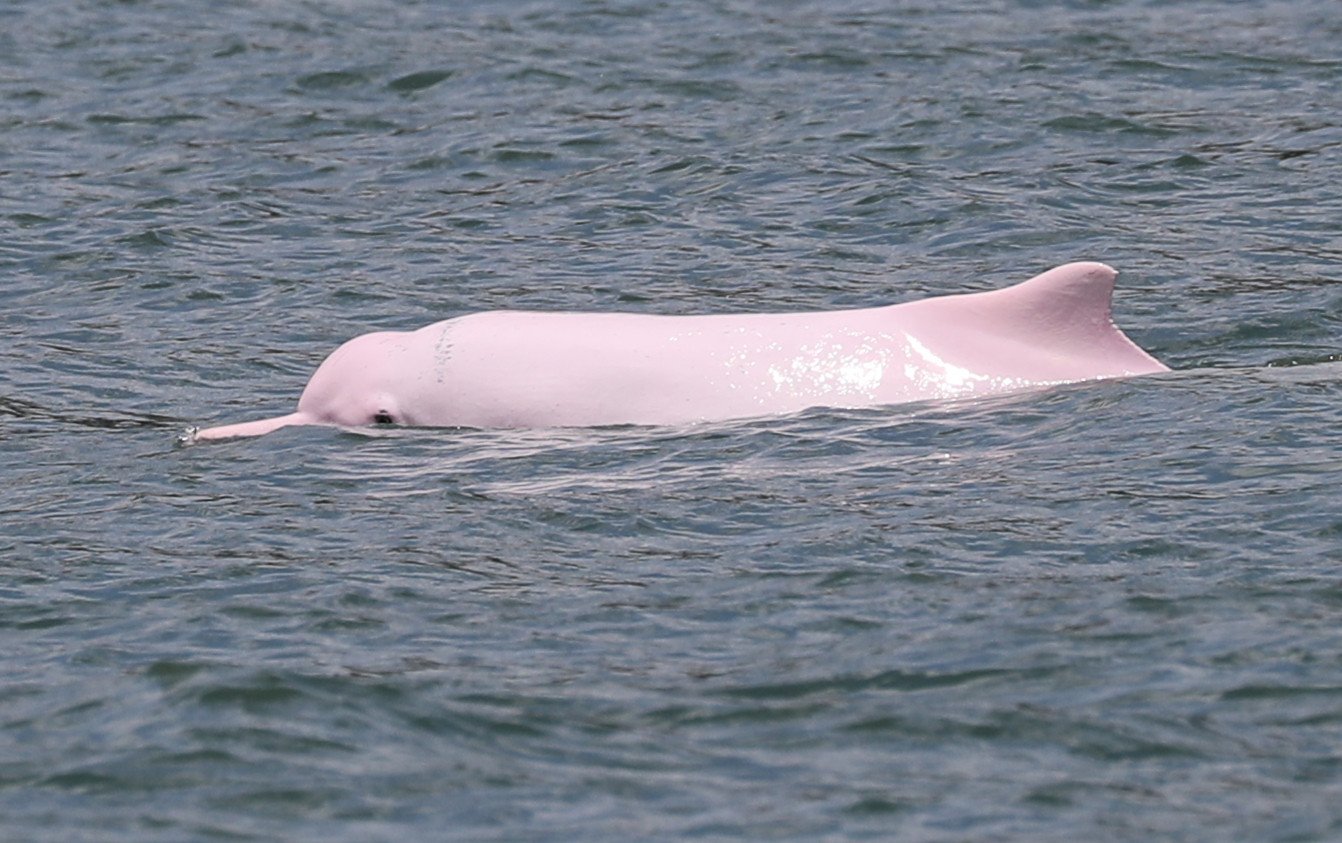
point(513, 369)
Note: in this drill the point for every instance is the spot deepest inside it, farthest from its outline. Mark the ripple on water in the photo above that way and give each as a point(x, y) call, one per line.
point(1103, 609)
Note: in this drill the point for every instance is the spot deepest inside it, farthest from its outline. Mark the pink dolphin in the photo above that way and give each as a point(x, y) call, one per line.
point(523, 369)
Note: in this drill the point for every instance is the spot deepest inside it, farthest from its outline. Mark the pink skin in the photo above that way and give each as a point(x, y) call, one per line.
point(505, 369)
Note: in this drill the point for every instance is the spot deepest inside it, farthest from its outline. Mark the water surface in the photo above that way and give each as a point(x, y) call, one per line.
point(1103, 611)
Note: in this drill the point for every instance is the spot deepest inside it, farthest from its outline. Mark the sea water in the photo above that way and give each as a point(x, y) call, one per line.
point(1105, 611)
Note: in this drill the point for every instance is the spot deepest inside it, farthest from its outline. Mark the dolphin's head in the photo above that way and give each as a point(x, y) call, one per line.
point(358, 385)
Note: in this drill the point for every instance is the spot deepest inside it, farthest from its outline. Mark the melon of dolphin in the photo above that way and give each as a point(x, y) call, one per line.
point(508, 369)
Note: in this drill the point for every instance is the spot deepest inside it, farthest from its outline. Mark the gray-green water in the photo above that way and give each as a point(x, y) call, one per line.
point(1102, 612)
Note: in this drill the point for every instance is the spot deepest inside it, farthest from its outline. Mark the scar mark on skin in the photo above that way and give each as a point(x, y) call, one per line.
point(442, 351)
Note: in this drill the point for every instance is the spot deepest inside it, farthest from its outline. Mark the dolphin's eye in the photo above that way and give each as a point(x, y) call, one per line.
point(382, 417)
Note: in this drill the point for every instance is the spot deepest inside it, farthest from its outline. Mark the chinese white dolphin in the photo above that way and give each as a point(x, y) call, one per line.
point(511, 369)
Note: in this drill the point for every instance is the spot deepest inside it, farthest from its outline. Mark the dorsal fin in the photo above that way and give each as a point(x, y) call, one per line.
point(1069, 303)
point(1064, 314)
